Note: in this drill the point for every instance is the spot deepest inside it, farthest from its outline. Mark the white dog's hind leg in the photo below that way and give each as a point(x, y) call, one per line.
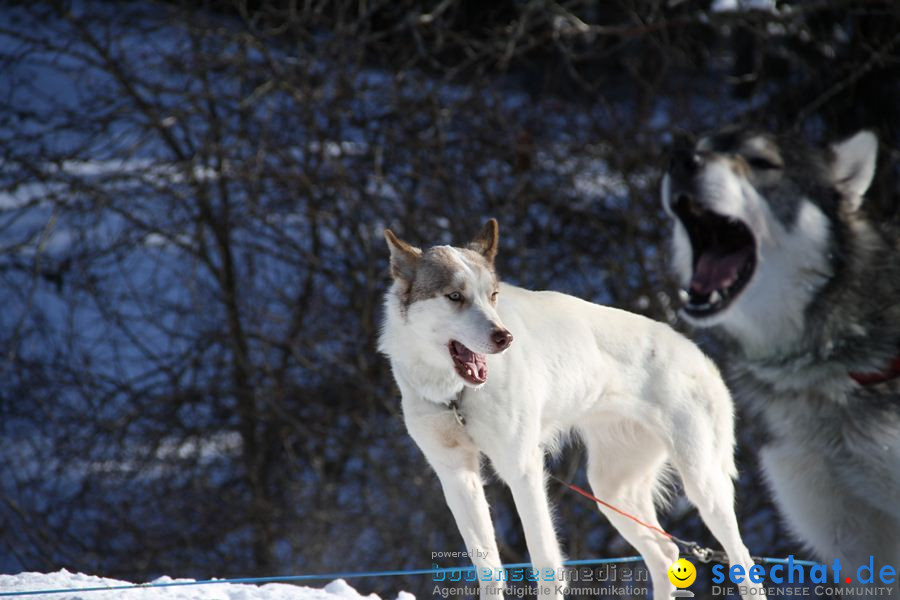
point(526, 482)
point(711, 490)
point(624, 473)
point(715, 501)
point(702, 451)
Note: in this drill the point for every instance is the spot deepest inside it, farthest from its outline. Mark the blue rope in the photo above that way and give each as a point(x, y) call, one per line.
point(282, 578)
point(350, 575)
point(783, 561)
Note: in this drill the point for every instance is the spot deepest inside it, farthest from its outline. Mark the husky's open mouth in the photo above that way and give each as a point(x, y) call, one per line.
point(471, 366)
point(724, 257)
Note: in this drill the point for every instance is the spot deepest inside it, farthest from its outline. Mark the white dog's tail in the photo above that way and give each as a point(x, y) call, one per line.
point(722, 407)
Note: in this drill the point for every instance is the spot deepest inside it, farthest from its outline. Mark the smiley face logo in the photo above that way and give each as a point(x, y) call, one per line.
point(682, 573)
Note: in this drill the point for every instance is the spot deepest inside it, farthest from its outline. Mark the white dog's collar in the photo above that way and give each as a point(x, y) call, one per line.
point(456, 406)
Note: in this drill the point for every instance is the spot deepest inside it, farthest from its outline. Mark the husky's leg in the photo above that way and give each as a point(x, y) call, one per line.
point(523, 472)
point(623, 470)
point(832, 518)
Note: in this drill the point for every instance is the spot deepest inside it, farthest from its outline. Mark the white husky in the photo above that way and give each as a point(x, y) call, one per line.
point(640, 395)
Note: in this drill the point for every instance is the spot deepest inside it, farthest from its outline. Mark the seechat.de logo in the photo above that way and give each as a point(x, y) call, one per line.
point(682, 574)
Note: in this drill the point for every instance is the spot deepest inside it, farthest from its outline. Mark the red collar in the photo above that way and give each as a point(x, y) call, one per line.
point(892, 371)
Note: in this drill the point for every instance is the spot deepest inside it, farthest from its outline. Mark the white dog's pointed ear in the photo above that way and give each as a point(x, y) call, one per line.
point(487, 240)
point(404, 258)
point(854, 165)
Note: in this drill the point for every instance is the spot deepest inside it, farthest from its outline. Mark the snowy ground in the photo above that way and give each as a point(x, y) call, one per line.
point(336, 590)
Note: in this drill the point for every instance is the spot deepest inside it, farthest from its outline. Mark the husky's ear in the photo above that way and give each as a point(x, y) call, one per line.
point(487, 240)
point(404, 258)
point(854, 165)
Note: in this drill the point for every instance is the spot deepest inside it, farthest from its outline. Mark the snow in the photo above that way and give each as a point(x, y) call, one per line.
point(336, 590)
point(738, 5)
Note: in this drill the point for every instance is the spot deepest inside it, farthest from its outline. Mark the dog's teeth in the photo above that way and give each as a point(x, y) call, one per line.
point(715, 297)
point(683, 295)
point(468, 372)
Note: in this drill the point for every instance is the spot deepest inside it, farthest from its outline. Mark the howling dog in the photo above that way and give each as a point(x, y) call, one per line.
point(486, 368)
point(774, 249)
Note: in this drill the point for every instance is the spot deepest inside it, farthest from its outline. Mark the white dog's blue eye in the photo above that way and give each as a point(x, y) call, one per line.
point(454, 297)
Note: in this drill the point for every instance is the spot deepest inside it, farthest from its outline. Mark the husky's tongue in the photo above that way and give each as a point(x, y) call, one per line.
point(715, 271)
point(471, 366)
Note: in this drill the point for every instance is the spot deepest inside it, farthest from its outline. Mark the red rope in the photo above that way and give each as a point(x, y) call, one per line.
point(590, 496)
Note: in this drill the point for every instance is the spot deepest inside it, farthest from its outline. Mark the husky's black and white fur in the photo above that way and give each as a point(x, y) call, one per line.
point(639, 395)
point(774, 247)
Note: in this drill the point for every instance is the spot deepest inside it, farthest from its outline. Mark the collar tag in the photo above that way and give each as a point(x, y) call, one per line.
point(455, 407)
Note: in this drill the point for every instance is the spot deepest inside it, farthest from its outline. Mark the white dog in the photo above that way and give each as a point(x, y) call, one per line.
point(640, 395)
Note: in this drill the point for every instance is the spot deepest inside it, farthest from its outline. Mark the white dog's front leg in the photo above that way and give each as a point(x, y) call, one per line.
point(530, 496)
point(464, 492)
point(456, 461)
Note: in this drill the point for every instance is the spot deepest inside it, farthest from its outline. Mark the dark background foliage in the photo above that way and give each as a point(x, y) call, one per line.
point(191, 264)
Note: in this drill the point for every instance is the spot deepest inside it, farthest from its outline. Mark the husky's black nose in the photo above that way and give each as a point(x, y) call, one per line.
point(685, 163)
point(684, 205)
point(501, 338)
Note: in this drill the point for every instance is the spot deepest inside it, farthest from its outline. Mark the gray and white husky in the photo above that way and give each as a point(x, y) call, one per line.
point(774, 248)
point(486, 368)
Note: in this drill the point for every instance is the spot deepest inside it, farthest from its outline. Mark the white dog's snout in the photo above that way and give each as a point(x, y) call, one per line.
point(502, 338)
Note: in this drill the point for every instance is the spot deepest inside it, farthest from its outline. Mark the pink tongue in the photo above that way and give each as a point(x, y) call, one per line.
point(716, 272)
point(474, 362)
point(478, 369)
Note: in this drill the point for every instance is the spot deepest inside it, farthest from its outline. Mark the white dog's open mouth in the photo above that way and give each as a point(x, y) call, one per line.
point(724, 257)
point(471, 366)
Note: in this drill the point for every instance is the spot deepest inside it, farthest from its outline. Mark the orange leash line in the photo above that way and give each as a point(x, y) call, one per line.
point(701, 553)
point(590, 496)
